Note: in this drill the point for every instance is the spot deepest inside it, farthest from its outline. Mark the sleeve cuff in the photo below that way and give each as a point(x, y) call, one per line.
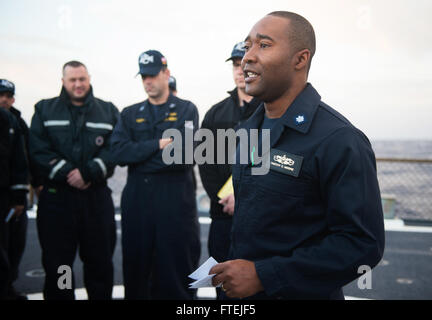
point(60, 170)
point(102, 166)
point(268, 277)
point(95, 171)
point(156, 145)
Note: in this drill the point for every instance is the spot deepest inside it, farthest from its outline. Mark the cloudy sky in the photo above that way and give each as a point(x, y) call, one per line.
point(373, 61)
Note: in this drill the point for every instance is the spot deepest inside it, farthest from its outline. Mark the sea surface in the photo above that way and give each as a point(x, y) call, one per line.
point(407, 185)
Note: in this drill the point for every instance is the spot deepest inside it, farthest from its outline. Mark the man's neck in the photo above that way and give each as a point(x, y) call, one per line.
point(277, 108)
point(243, 96)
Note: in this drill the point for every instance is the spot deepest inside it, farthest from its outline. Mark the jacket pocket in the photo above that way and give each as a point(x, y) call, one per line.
point(278, 183)
point(97, 137)
point(61, 137)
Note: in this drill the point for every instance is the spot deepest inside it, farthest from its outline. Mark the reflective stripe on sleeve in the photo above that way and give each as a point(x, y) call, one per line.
point(101, 165)
point(56, 168)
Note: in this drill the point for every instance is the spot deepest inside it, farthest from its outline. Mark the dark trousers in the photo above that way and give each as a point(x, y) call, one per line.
point(70, 220)
point(4, 273)
point(219, 241)
point(4, 261)
point(12, 244)
point(16, 238)
point(160, 236)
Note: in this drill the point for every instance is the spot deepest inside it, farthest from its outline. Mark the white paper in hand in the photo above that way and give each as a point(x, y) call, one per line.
point(204, 269)
point(202, 276)
point(203, 282)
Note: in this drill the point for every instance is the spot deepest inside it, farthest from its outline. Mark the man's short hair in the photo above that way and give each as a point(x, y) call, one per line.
point(73, 64)
point(302, 34)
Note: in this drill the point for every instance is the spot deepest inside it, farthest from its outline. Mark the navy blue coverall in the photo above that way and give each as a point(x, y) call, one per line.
point(64, 137)
point(316, 216)
point(13, 187)
point(160, 230)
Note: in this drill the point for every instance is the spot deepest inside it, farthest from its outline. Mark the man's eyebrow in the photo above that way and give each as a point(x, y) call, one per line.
point(259, 36)
point(263, 36)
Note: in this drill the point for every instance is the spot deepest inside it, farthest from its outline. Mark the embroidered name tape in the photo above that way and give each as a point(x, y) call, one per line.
point(285, 162)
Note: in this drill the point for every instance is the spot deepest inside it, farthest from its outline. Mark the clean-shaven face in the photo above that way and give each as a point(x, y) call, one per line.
point(267, 63)
point(156, 86)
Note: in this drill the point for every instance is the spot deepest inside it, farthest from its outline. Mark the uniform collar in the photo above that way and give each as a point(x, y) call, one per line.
point(88, 99)
point(301, 112)
point(298, 116)
point(234, 95)
point(15, 111)
point(169, 106)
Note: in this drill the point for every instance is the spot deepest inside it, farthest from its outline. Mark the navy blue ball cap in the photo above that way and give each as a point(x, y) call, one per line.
point(151, 63)
point(7, 86)
point(238, 51)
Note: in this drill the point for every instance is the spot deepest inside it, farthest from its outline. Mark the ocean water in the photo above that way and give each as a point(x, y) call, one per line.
point(410, 149)
point(410, 184)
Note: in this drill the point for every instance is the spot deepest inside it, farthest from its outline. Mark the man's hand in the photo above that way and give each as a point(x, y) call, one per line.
point(164, 142)
point(75, 180)
point(238, 277)
point(228, 203)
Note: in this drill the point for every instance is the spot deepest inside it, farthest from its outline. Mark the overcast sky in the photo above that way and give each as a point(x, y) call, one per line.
point(373, 61)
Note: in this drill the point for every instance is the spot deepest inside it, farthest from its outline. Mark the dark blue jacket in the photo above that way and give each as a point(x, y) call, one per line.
point(227, 114)
point(13, 162)
point(135, 140)
point(309, 234)
point(64, 137)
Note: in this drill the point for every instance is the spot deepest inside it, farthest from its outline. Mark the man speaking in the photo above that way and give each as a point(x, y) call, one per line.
point(303, 230)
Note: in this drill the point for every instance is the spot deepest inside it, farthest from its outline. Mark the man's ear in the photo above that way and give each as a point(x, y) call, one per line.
point(301, 59)
point(13, 100)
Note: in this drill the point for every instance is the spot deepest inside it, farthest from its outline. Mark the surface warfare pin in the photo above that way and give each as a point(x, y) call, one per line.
point(99, 141)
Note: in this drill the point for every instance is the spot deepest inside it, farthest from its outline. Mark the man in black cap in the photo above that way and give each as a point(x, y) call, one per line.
point(69, 143)
point(228, 113)
point(17, 226)
point(160, 230)
point(13, 188)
